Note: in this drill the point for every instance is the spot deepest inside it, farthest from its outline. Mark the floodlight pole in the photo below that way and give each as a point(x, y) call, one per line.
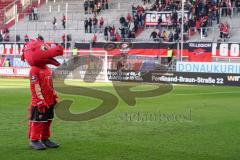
point(182, 29)
point(66, 15)
point(15, 26)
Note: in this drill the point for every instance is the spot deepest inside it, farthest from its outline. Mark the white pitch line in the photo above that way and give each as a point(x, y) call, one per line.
point(212, 93)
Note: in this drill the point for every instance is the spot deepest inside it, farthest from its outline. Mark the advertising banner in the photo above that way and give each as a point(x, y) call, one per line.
point(14, 72)
point(195, 51)
point(225, 50)
point(199, 52)
point(11, 48)
point(208, 67)
point(152, 17)
point(2, 61)
point(176, 78)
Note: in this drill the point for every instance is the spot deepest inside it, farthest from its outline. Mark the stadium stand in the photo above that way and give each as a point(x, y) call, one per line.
point(200, 22)
point(75, 20)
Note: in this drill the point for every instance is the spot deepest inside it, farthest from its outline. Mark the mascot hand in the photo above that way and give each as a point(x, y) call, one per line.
point(43, 107)
point(57, 100)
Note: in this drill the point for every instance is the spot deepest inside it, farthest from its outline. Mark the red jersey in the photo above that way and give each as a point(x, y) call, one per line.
point(41, 86)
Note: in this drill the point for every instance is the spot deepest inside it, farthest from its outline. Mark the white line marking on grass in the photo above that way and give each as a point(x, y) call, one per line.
point(211, 93)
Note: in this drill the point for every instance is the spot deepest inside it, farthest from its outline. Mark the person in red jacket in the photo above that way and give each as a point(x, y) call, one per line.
point(198, 25)
point(225, 30)
point(38, 54)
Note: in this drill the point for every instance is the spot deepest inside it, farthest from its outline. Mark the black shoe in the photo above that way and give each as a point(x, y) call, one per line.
point(37, 145)
point(50, 144)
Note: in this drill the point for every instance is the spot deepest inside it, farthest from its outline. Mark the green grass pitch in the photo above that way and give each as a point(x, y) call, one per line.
point(213, 133)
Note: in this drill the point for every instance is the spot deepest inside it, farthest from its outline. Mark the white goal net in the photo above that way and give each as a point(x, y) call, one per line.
point(88, 65)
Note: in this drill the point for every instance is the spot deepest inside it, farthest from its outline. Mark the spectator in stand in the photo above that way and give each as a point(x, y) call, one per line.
point(30, 14)
point(210, 16)
point(113, 29)
point(86, 6)
point(95, 24)
point(154, 35)
point(129, 18)
point(122, 20)
point(35, 13)
point(237, 4)
point(136, 23)
point(106, 5)
point(176, 36)
point(94, 39)
point(103, 4)
point(63, 38)
point(198, 24)
point(221, 26)
point(1, 37)
point(139, 17)
point(122, 29)
point(118, 37)
point(224, 8)
point(26, 38)
point(64, 21)
point(159, 22)
point(54, 22)
point(174, 19)
point(101, 23)
point(200, 13)
point(164, 36)
point(90, 25)
point(204, 25)
point(216, 13)
point(106, 33)
point(229, 8)
point(95, 6)
point(178, 30)
point(98, 7)
point(92, 6)
point(225, 30)
point(170, 37)
point(169, 21)
point(112, 34)
point(86, 25)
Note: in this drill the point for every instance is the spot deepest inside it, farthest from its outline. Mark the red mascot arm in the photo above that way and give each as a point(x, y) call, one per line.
point(38, 99)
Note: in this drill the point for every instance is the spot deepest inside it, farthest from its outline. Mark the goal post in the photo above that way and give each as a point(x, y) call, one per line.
point(95, 64)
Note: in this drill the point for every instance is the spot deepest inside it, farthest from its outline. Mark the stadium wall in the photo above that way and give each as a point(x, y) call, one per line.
point(195, 72)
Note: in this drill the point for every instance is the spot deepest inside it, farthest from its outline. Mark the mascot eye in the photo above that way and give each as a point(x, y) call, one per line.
point(44, 48)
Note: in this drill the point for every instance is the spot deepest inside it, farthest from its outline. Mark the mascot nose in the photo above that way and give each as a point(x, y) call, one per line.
point(53, 52)
point(60, 50)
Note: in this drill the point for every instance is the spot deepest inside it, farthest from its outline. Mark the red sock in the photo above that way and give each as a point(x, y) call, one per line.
point(45, 134)
point(35, 129)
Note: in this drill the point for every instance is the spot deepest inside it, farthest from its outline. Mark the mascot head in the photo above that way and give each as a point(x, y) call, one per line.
point(37, 53)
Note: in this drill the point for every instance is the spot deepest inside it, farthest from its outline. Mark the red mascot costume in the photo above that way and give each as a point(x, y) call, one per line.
point(38, 54)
